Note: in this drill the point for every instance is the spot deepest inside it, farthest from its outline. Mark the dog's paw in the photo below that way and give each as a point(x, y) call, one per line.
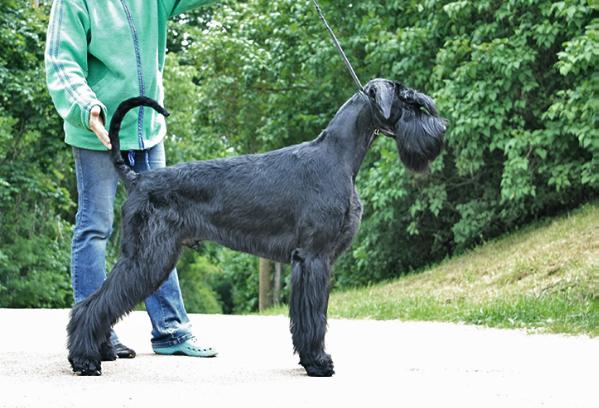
point(85, 366)
point(321, 366)
point(107, 352)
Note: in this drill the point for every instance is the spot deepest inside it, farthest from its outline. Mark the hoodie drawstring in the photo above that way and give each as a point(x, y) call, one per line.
point(131, 157)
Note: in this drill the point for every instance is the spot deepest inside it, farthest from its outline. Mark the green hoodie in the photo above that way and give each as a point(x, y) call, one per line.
point(103, 52)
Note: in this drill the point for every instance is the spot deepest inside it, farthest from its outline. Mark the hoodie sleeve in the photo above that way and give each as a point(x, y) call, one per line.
point(66, 62)
point(175, 7)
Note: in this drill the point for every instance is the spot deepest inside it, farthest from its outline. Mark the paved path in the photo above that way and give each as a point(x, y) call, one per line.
point(378, 364)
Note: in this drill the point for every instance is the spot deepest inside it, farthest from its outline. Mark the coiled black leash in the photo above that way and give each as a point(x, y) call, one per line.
point(338, 46)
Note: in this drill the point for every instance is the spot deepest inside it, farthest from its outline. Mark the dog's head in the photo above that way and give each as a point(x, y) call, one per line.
point(411, 118)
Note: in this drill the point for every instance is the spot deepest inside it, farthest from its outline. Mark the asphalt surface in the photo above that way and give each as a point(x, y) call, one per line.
point(378, 364)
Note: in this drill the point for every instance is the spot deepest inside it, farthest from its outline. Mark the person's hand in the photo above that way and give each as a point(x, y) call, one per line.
point(96, 125)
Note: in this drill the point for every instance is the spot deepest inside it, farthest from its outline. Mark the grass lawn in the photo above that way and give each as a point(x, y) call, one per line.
point(543, 277)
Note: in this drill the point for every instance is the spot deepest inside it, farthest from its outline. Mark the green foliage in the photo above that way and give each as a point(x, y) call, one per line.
point(35, 173)
point(194, 272)
point(238, 284)
point(507, 158)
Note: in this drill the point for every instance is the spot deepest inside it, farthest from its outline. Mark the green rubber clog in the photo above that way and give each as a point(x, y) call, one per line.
point(189, 348)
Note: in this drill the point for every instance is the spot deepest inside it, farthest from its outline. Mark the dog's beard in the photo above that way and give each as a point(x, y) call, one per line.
point(419, 138)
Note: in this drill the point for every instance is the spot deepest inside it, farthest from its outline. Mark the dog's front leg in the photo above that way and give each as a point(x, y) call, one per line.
point(107, 352)
point(308, 311)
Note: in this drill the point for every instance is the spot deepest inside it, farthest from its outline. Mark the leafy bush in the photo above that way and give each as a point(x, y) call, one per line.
point(194, 273)
point(35, 171)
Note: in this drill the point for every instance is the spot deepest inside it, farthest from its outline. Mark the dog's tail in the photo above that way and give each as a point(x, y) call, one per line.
point(125, 172)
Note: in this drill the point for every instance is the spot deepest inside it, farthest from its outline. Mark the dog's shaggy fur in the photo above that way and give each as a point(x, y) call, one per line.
point(295, 205)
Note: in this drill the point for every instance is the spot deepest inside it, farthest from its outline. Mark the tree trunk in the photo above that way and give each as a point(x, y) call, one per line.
point(265, 296)
point(276, 290)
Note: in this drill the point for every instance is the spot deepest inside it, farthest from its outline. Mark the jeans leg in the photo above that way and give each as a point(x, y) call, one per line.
point(170, 324)
point(96, 190)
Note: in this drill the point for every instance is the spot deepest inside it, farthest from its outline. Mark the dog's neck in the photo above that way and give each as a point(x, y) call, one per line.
point(351, 132)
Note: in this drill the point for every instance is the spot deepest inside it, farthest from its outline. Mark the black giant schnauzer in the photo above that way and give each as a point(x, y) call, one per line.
point(296, 205)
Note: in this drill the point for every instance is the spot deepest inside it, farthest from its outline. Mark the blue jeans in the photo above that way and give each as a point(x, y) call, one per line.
point(96, 187)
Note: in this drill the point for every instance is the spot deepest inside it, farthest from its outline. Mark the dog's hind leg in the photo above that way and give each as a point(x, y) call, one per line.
point(131, 281)
point(308, 312)
point(89, 329)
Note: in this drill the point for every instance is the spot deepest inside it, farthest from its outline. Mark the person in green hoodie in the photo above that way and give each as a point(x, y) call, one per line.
point(97, 55)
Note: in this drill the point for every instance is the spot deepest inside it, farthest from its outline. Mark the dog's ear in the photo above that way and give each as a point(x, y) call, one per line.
point(383, 94)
